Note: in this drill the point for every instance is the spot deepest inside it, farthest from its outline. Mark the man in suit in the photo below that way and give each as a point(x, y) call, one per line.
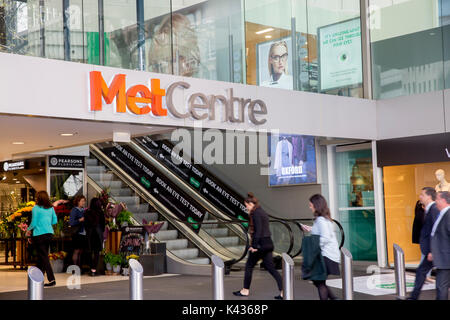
point(440, 245)
point(427, 198)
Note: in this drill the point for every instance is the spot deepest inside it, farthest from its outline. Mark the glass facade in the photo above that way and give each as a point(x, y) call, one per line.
point(409, 47)
point(356, 202)
point(302, 45)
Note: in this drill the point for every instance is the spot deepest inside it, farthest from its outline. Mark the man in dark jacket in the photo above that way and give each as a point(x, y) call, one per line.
point(440, 246)
point(427, 198)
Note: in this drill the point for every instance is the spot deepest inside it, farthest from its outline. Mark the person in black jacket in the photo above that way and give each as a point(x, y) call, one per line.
point(427, 198)
point(419, 219)
point(261, 247)
point(95, 226)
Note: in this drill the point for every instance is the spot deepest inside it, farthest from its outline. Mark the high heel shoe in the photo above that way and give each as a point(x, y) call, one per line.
point(50, 284)
point(239, 294)
point(278, 297)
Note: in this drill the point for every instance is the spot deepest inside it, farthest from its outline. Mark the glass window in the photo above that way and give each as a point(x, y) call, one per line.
point(402, 187)
point(335, 29)
point(120, 33)
point(65, 184)
point(356, 202)
point(406, 46)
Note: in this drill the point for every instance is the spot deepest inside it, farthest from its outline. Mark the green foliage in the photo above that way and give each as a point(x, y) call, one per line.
point(124, 216)
point(113, 259)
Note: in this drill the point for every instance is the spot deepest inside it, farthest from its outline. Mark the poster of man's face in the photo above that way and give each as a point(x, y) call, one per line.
point(275, 63)
point(292, 160)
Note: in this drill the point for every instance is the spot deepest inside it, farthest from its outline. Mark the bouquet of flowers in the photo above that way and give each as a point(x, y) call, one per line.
point(57, 255)
point(152, 228)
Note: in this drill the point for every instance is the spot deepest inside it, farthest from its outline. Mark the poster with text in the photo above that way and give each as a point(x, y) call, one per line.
point(292, 160)
point(275, 64)
point(340, 59)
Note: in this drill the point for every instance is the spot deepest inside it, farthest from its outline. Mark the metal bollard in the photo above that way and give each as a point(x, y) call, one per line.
point(218, 270)
point(35, 284)
point(400, 277)
point(136, 276)
point(347, 274)
point(288, 277)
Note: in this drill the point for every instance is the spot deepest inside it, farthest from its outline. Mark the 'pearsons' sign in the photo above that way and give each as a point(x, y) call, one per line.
point(144, 100)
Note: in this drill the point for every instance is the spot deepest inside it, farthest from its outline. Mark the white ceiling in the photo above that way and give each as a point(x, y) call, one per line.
point(40, 134)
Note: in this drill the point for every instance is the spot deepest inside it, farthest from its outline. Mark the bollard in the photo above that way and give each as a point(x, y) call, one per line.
point(218, 270)
point(400, 277)
point(35, 284)
point(136, 276)
point(288, 277)
point(347, 274)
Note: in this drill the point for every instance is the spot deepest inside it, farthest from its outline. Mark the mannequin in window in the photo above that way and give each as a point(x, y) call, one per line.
point(443, 185)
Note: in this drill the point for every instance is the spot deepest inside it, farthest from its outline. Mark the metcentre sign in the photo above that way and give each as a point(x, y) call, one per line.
point(143, 100)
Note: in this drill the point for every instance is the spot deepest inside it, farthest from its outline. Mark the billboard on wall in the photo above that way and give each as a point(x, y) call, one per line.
point(292, 160)
point(275, 63)
point(340, 59)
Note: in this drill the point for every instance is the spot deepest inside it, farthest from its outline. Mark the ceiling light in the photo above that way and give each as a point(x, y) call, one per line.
point(268, 37)
point(18, 142)
point(15, 179)
point(41, 169)
point(264, 31)
point(66, 134)
point(4, 178)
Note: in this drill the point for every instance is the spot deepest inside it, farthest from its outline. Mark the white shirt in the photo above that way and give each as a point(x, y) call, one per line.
point(427, 208)
point(441, 215)
point(328, 242)
point(285, 82)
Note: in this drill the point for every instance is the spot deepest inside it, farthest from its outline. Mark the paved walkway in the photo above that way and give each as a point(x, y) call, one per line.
point(182, 287)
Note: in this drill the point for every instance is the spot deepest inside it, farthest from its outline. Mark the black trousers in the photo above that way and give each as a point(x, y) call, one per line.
point(421, 274)
point(253, 259)
point(442, 283)
point(42, 243)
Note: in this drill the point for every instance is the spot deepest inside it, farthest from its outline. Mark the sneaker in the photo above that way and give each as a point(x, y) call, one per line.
point(50, 284)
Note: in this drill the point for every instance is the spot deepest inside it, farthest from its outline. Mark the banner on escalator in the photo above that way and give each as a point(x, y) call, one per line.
point(220, 195)
point(167, 193)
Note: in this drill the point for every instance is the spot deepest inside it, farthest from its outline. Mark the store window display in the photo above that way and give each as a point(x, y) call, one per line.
point(443, 184)
point(278, 67)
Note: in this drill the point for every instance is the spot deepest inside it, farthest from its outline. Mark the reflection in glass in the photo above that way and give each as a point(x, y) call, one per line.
point(65, 184)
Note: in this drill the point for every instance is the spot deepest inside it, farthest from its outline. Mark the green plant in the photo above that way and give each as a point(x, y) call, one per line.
point(113, 259)
point(124, 216)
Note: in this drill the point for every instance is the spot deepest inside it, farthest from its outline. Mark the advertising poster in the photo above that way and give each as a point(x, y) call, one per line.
point(340, 58)
point(292, 160)
point(160, 187)
point(275, 63)
point(223, 197)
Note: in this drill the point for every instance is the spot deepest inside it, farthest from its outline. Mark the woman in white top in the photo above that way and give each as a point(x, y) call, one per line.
point(278, 67)
point(324, 227)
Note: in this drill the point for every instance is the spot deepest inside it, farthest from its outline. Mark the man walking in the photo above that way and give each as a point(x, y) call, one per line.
point(440, 246)
point(427, 198)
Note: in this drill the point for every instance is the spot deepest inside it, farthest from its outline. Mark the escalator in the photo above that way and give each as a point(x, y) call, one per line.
point(191, 231)
point(215, 194)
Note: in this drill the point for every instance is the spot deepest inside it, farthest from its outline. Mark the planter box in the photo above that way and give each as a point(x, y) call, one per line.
point(157, 248)
point(153, 264)
point(57, 265)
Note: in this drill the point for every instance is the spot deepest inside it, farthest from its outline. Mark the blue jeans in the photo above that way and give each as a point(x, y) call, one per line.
point(422, 271)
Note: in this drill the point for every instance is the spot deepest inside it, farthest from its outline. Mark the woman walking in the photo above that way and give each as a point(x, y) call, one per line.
point(76, 221)
point(43, 217)
point(323, 227)
point(261, 247)
point(95, 226)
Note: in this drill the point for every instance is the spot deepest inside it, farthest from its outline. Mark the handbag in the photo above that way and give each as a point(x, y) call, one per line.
point(72, 230)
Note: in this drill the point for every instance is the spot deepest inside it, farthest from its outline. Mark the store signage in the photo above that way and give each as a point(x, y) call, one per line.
point(150, 100)
point(72, 162)
point(131, 240)
point(219, 194)
point(13, 166)
point(414, 150)
point(166, 192)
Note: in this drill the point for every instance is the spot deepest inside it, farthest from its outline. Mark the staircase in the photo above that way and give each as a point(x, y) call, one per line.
point(175, 241)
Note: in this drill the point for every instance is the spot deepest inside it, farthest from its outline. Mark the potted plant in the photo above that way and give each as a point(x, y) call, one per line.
point(116, 263)
point(57, 261)
point(124, 218)
point(109, 259)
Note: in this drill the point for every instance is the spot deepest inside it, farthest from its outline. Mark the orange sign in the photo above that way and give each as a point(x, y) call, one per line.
point(126, 98)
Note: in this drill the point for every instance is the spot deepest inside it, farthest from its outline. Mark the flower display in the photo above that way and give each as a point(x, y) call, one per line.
point(132, 256)
point(57, 255)
point(152, 227)
point(23, 226)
